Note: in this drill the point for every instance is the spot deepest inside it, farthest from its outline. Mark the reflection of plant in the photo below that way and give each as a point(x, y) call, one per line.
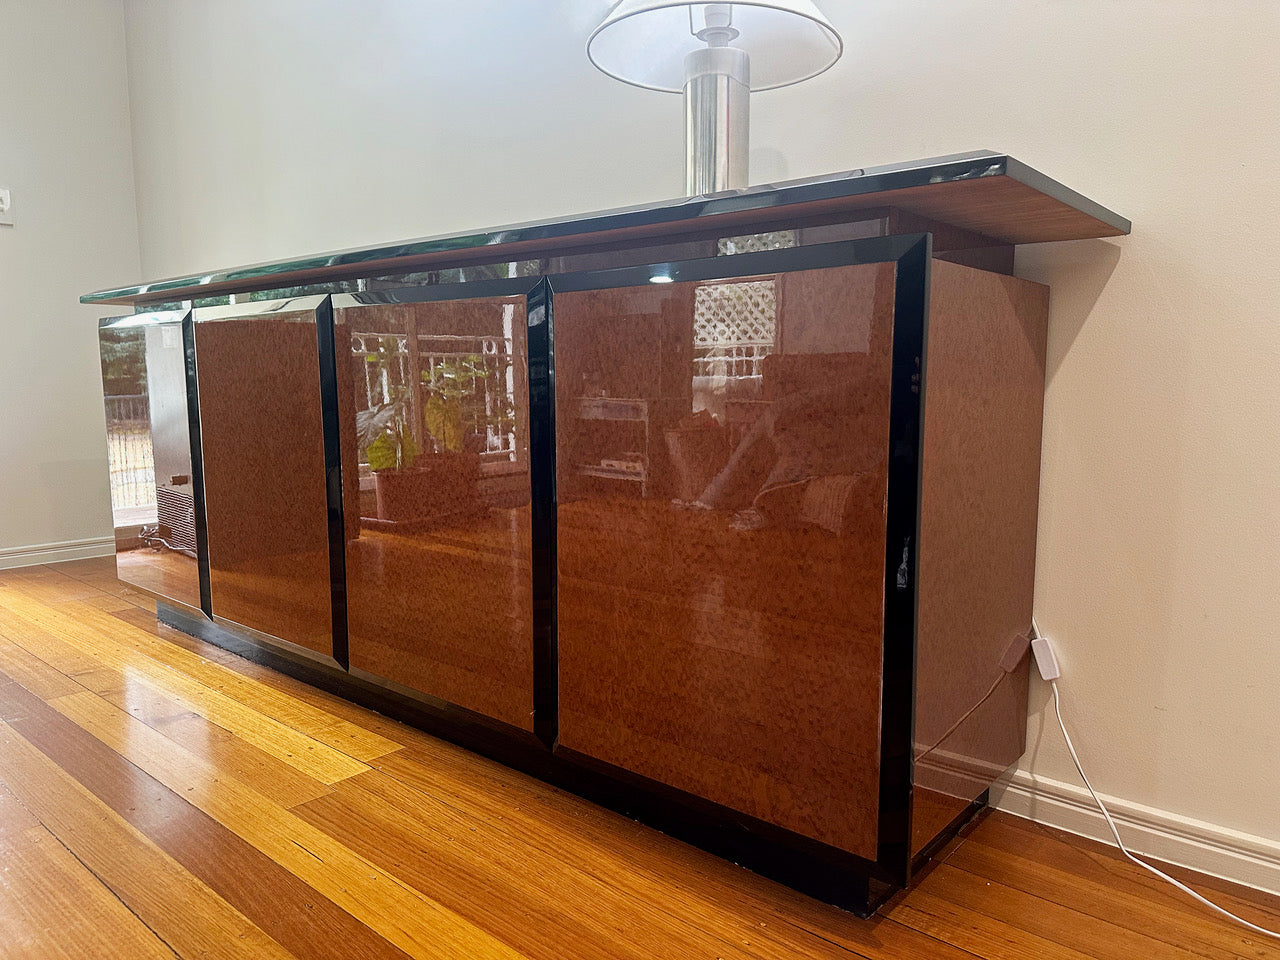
point(464, 395)
point(385, 436)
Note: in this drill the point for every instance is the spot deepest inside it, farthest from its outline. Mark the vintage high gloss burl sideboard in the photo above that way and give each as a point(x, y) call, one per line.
point(720, 512)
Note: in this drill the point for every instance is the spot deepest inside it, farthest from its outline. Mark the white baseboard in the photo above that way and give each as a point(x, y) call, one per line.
point(53, 552)
point(1230, 854)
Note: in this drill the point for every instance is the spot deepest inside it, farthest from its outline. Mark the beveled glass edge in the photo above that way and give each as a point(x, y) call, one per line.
point(256, 308)
point(848, 183)
point(147, 319)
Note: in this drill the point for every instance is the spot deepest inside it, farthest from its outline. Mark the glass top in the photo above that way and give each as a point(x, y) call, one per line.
point(915, 187)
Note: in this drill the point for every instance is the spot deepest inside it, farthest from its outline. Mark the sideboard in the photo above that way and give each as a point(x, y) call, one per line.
point(720, 512)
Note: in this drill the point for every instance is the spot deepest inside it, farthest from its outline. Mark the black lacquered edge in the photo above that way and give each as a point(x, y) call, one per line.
point(336, 509)
point(902, 552)
point(813, 257)
point(849, 183)
point(542, 479)
point(436, 292)
point(197, 463)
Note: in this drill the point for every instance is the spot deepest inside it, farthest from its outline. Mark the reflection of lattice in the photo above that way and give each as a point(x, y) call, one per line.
point(756, 242)
point(734, 327)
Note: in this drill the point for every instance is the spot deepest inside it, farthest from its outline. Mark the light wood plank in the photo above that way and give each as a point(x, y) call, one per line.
point(52, 907)
point(404, 916)
point(188, 916)
point(293, 913)
point(302, 752)
point(350, 739)
point(1044, 918)
point(975, 932)
point(1095, 892)
point(33, 673)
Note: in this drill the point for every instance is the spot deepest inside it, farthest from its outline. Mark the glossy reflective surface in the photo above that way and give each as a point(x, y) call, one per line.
point(722, 451)
point(433, 399)
point(979, 500)
point(988, 192)
point(258, 376)
point(153, 504)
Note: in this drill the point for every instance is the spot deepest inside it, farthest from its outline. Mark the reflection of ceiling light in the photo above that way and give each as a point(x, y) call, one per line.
point(716, 54)
point(661, 278)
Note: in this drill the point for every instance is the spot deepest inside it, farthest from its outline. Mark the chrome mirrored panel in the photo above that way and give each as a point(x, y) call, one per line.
point(153, 502)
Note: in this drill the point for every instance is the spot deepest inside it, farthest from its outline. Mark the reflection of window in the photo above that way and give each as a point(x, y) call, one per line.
point(734, 328)
point(466, 386)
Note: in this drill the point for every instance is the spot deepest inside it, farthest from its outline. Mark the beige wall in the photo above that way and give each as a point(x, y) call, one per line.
point(65, 153)
point(264, 130)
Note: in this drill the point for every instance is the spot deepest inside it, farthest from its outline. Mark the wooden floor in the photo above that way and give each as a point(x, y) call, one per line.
point(160, 797)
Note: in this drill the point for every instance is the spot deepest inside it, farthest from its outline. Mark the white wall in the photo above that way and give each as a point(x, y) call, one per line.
point(66, 154)
point(269, 129)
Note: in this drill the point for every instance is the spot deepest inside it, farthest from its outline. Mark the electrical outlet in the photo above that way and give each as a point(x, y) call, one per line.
point(6, 207)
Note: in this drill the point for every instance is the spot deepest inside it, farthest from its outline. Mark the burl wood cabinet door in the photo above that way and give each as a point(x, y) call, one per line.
point(434, 409)
point(722, 452)
point(262, 438)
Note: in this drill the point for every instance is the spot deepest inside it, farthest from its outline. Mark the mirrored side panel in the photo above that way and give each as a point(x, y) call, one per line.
point(435, 454)
point(722, 452)
point(262, 439)
point(153, 503)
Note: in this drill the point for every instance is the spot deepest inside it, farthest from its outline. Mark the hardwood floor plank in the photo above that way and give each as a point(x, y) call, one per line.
point(976, 932)
point(1104, 860)
point(526, 896)
point(1061, 923)
point(402, 915)
point(1093, 891)
point(306, 923)
point(182, 911)
point(300, 751)
point(14, 817)
point(641, 862)
point(321, 725)
point(251, 766)
point(33, 673)
point(51, 907)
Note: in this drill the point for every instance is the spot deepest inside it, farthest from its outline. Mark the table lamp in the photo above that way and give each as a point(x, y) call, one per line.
point(715, 54)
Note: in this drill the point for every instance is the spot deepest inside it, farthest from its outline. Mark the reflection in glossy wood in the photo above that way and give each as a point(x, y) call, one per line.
point(439, 582)
point(731, 645)
point(263, 447)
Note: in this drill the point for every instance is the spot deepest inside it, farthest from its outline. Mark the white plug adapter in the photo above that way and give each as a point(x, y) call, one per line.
point(1046, 659)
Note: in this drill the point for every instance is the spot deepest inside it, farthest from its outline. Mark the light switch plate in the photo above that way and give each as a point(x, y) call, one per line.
point(6, 207)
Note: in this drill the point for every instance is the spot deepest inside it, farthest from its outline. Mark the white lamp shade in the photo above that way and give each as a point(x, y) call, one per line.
point(644, 42)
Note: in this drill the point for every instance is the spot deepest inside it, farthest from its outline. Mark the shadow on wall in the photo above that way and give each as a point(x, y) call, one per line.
point(1089, 264)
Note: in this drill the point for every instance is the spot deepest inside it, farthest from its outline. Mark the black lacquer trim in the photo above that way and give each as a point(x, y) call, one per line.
point(841, 253)
point(542, 479)
point(902, 539)
point(333, 479)
point(197, 463)
point(434, 293)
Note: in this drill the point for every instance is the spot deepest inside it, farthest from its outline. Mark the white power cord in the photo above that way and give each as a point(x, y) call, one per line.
point(1049, 669)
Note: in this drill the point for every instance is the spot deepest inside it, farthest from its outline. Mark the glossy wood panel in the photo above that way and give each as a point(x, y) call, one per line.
point(149, 452)
point(263, 446)
point(720, 623)
point(984, 394)
point(439, 582)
